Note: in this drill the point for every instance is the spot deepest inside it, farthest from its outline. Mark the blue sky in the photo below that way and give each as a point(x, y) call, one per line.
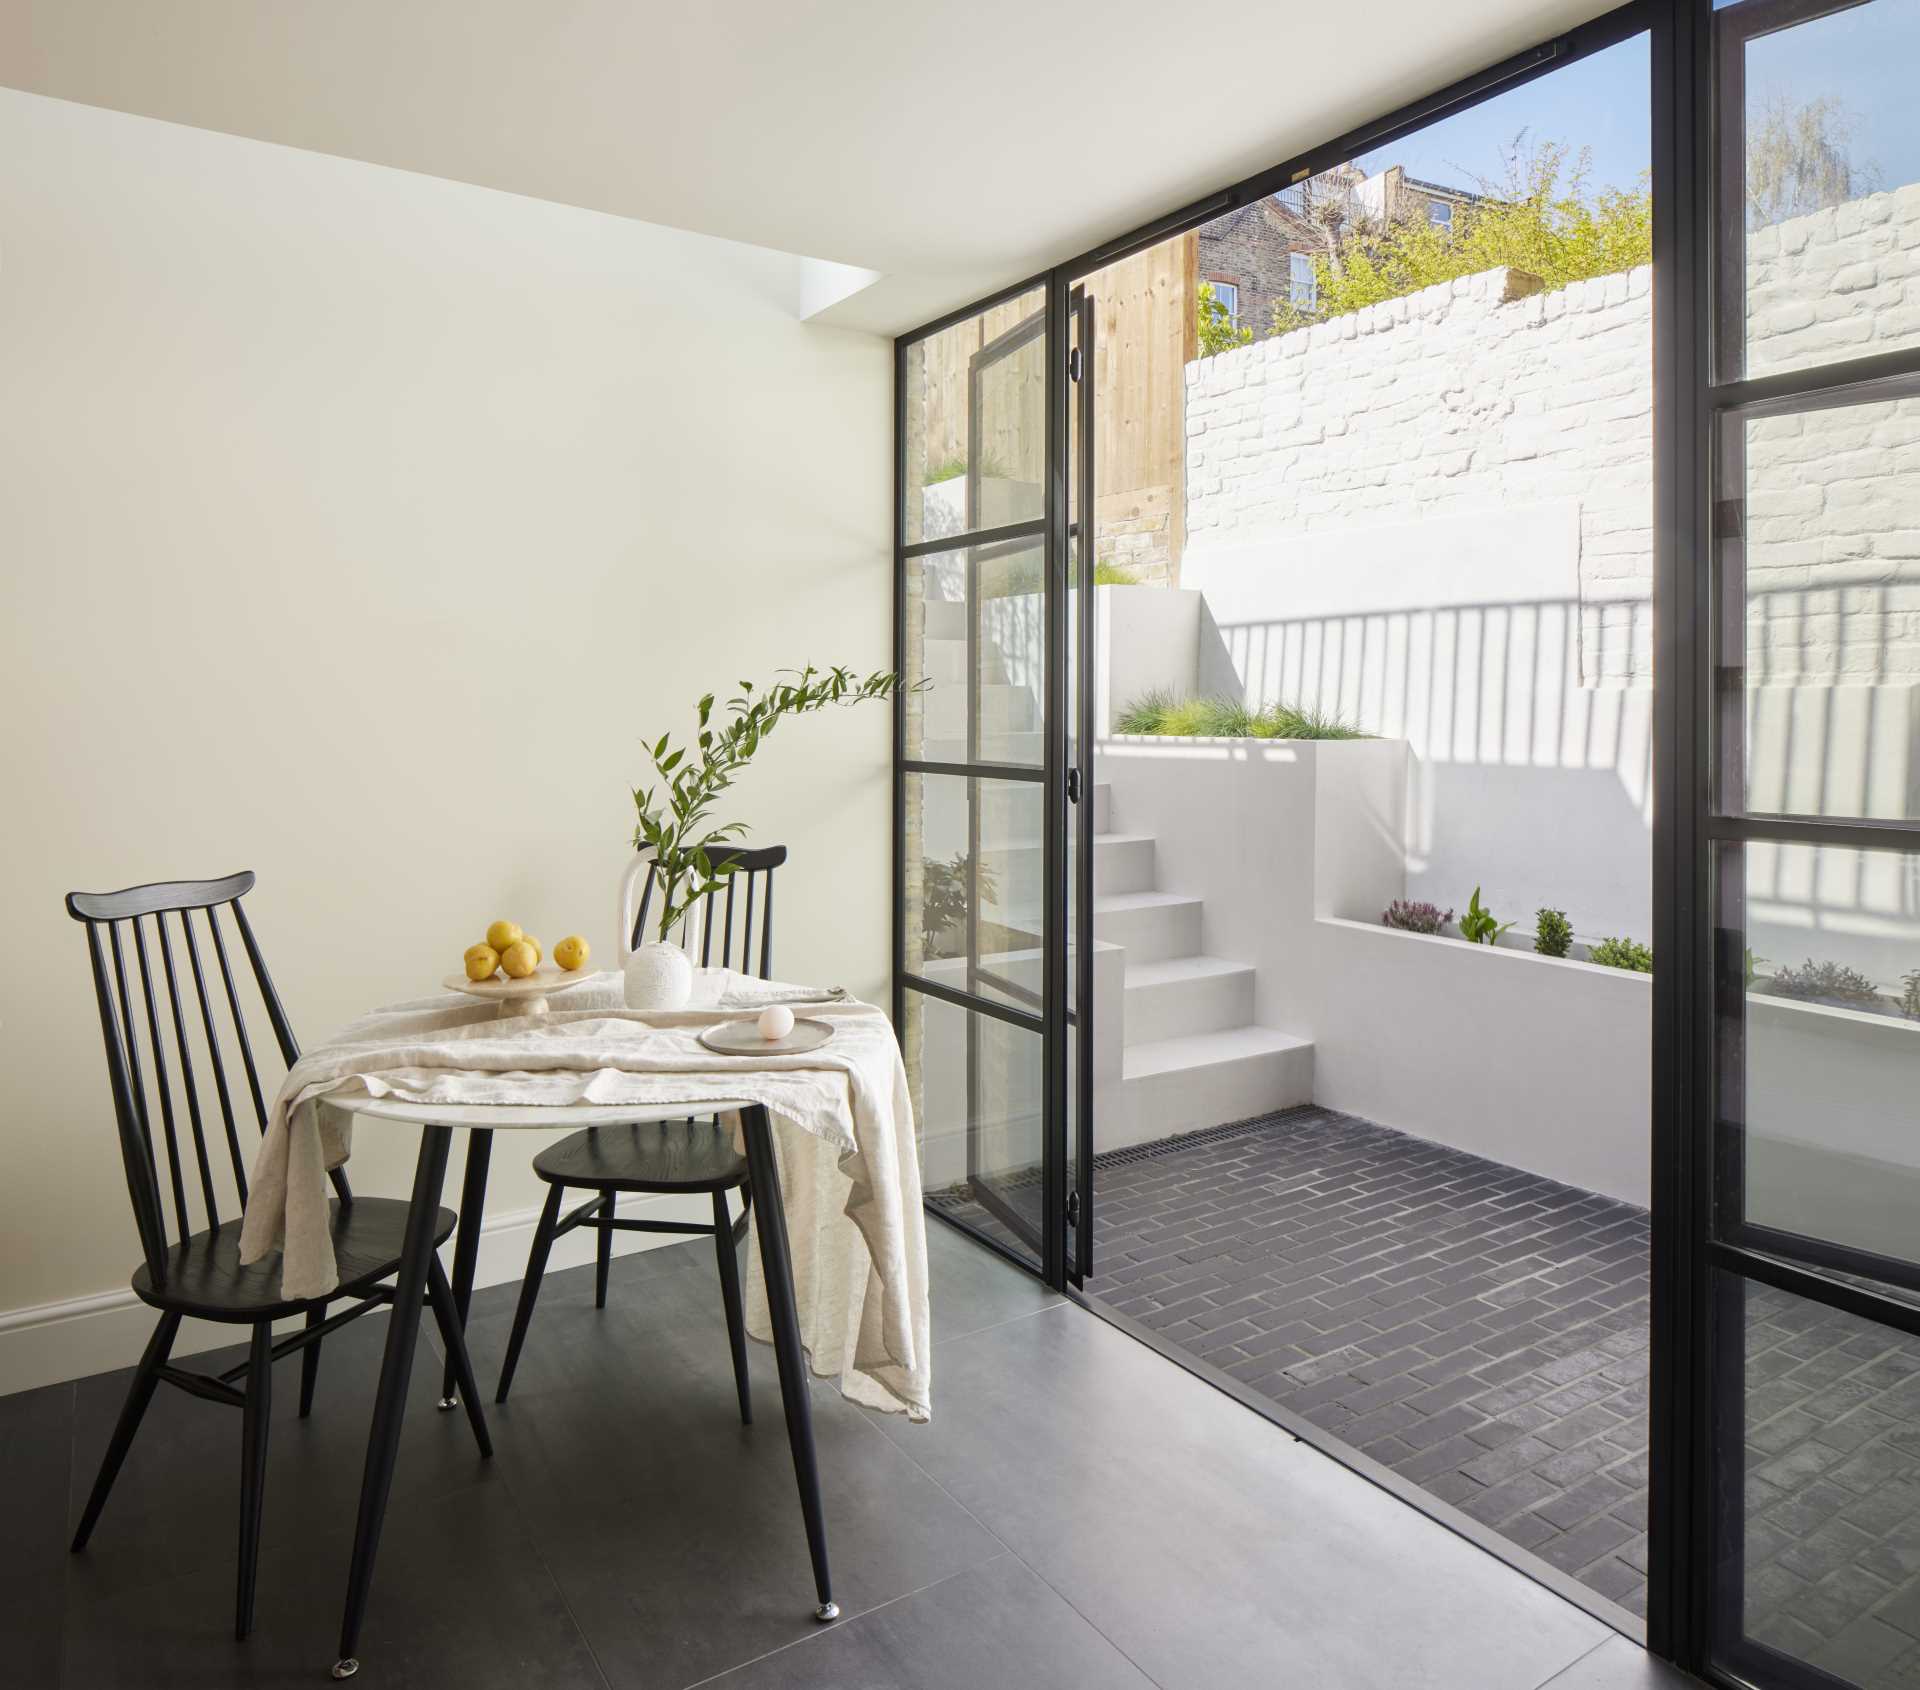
point(1865, 57)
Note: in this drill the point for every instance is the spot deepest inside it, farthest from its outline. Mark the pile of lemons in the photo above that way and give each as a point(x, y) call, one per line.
point(507, 949)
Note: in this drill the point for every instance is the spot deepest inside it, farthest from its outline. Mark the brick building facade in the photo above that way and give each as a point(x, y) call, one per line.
point(1259, 256)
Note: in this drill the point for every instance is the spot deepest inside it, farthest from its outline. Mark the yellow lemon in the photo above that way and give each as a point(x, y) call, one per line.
point(502, 934)
point(519, 960)
point(571, 952)
point(538, 954)
point(481, 961)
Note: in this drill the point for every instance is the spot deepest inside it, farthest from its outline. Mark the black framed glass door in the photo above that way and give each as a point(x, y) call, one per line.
point(983, 772)
point(1809, 1268)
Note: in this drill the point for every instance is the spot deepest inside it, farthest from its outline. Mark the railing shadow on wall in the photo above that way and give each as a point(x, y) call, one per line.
point(1548, 687)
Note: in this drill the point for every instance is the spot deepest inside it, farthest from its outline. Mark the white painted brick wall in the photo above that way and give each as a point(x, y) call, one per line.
point(1454, 400)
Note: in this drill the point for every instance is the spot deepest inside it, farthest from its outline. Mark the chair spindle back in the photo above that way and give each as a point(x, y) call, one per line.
point(752, 871)
point(139, 941)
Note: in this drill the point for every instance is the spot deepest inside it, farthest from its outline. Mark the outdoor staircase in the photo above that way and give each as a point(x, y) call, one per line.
point(1192, 1054)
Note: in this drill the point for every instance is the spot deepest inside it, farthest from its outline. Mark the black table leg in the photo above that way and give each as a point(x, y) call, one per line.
point(396, 1373)
point(466, 1246)
point(764, 1172)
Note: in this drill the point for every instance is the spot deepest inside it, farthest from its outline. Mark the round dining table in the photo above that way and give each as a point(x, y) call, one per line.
point(438, 1122)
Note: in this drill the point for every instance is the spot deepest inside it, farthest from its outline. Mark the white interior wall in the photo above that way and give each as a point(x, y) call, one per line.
point(359, 525)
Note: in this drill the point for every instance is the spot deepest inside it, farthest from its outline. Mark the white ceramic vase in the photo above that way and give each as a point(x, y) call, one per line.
point(659, 977)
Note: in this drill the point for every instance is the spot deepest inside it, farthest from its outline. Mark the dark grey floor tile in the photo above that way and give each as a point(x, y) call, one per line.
point(32, 1630)
point(36, 1455)
point(971, 1288)
point(674, 1531)
point(1620, 1665)
point(175, 1506)
point(461, 1600)
point(1186, 1531)
point(997, 1625)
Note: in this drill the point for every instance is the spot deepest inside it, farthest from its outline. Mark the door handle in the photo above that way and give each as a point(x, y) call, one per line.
point(1073, 785)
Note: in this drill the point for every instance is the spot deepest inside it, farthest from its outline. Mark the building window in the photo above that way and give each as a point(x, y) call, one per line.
point(1228, 294)
point(1303, 287)
point(1440, 213)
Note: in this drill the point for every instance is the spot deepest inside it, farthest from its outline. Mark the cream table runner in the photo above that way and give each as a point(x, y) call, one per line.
point(842, 1125)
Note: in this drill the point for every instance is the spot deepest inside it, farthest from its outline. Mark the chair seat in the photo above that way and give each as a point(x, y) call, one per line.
point(692, 1155)
point(204, 1277)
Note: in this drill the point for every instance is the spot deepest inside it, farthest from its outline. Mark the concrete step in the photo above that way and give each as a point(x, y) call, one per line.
point(1151, 926)
point(1186, 995)
point(1122, 862)
point(944, 662)
point(996, 746)
point(1102, 807)
point(946, 621)
point(1182, 1085)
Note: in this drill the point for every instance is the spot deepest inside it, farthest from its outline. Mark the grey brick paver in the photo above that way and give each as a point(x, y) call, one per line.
point(1483, 1331)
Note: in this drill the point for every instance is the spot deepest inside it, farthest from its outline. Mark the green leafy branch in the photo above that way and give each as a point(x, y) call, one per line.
point(675, 810)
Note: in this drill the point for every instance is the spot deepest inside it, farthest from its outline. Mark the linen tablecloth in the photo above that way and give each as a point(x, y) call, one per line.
point(842, 1124)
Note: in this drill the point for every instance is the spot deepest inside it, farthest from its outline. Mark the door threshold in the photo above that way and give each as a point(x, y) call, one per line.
point(1563, 1585)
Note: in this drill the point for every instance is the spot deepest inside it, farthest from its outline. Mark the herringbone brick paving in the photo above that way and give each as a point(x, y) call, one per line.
point(1480, 1330)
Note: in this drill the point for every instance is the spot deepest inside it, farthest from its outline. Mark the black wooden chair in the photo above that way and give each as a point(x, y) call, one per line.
point(198, 1273)
point(663, 1158)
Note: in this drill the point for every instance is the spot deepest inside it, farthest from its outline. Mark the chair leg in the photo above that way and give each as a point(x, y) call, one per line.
point(530, 1287)
point(725, 1248)
point(604, 1255)
point(446, 1313)
point(310, 1361)
point(146, 1378)
point(256, 1417)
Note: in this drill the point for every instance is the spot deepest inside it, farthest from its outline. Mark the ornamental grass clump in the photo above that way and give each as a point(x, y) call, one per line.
point(1552, 933)
point(1166, 713)
point(1415, 917)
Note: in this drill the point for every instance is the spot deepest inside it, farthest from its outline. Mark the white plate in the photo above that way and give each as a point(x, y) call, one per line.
point(742, 1038)
point(520, 997)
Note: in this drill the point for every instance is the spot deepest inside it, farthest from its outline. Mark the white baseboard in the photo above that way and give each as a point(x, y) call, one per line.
point(53, 1342)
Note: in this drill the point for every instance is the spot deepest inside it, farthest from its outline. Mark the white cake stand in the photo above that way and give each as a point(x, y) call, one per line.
point(519, 997)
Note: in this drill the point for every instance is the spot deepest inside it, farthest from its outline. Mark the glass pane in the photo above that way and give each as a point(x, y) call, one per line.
point(1832, 612)
point(1830, 181)
point(976, 422)
point(1826, 1075)
point(1828, 1547)
point(987, 601)
point(977, 1088)
point(974, 866)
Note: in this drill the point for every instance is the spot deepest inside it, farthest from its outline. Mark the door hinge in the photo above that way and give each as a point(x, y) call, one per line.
point(1073, 1208)
point(1073, 363)
point(1073, 784)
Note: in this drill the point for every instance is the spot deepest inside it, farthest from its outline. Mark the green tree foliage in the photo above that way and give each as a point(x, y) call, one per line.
point(1217, 333)
point(1543, 219)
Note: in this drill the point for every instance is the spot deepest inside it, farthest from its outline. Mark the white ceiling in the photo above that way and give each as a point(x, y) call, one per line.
point(951, 148)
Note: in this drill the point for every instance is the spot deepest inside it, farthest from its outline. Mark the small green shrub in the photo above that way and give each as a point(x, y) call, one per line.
point(1826, 982)
point(1107, 573)
point(1478, 925)
point(1163, 712)
point(1910, 996)
point(1552, 933)
point(1629, 954)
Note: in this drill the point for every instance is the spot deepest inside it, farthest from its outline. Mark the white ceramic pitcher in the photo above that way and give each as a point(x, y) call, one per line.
point(659, 975)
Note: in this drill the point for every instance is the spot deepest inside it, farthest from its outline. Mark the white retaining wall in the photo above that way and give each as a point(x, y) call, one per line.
point(1434, 518)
